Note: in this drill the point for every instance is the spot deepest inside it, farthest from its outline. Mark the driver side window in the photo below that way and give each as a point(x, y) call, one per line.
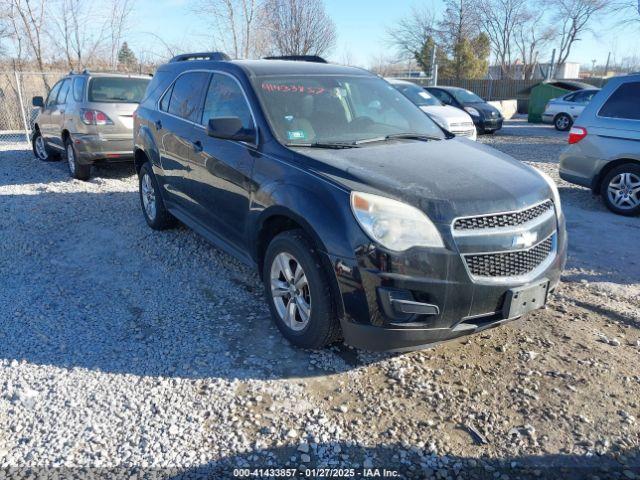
point(226, 99)
point(53, 95)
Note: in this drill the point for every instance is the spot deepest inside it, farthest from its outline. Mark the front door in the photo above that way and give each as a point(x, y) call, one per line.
point(44, 119)
point(58, 113)
point(221, 174)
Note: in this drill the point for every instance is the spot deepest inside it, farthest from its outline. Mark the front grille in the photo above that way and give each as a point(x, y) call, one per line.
point(461, 125)
point(511, 219)
point(509, 264)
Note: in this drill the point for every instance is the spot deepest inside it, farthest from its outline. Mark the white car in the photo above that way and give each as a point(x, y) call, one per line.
point(452, 119)
point(564, 110)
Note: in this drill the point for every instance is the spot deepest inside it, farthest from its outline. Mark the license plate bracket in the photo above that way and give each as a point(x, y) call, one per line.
point(521, 300)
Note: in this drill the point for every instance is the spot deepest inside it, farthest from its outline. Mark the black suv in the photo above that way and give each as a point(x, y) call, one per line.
point(365, 219)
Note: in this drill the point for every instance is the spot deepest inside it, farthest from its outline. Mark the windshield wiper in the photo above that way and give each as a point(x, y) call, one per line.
point(394, 136)
point(322, 145)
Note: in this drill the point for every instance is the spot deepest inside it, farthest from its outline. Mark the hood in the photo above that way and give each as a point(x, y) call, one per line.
point(486, 110)
point(445, 179)
point(447, 114)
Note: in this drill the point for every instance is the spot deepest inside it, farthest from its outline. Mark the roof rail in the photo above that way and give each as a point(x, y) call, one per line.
point(215, 56)
point(299, 58)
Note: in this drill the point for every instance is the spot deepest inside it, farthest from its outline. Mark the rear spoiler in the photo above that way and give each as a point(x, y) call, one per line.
point(299, 58)
point(213, 56)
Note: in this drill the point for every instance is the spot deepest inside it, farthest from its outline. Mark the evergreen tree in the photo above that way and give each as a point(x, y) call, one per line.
point(126, 57)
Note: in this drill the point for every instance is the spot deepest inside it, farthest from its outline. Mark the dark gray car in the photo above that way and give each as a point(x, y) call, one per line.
point(604, 150)
point(88, 118)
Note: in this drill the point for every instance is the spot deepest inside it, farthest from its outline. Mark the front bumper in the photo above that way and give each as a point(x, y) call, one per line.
point(489, 124)
point(436, 278)
point(113, 148)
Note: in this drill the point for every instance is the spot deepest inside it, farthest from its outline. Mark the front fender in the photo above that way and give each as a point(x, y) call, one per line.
point(324, 214)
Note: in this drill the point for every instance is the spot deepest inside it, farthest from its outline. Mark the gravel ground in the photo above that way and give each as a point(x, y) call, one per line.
point(132, 350)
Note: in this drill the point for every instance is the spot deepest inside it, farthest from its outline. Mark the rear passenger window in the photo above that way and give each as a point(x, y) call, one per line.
point(226, 99)
point(623, 103)
point(187, 95)
point(78, 88)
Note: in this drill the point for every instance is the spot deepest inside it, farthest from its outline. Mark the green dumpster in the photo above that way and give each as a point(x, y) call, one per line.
point(540, 95)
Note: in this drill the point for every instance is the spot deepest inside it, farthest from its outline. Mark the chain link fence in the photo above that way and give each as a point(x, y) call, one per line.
point(16, 112)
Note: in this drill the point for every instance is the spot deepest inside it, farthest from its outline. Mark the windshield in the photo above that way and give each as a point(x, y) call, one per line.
point(465, 96)
point(418, 95)
point(325, 109)
point(117, 89)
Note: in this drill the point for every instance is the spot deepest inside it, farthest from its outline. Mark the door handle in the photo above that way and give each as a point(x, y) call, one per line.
point(158, 125)
point(197, 145)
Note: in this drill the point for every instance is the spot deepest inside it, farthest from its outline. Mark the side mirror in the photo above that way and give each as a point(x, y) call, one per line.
point(230, 128)
point(37, 102)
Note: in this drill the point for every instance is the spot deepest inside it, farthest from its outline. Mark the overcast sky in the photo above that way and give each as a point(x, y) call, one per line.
point(361, 27)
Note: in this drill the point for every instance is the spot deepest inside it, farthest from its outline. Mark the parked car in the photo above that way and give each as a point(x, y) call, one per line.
point(604, 146)
point(88, 118)
point(451, 119)
point(486, 118)
point(364, 219)
point(564, 110)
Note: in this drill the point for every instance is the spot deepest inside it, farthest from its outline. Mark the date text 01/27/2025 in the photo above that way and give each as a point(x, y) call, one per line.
point(315, 473)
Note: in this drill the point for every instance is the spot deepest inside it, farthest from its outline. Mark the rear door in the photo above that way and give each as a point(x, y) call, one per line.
point(221, 175)
point(181, 109)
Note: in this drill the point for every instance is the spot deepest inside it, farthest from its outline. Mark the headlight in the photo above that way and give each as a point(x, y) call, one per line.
point(394, 225)
point(554, 189)
point(472, 111)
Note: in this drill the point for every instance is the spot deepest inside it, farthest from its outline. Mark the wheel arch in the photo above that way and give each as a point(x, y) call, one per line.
point(604, 171)
point(278, 219)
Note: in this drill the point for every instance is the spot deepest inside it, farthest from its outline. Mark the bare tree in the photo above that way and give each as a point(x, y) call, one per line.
point(74, 31)
point(532, 35)
point(299, 27)
point(28, 23)
point(575, 18)
point(234, 24)
point(500, 20)
point(411, 33)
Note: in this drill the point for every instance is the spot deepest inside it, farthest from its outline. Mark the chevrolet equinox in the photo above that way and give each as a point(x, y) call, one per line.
point(366, 221)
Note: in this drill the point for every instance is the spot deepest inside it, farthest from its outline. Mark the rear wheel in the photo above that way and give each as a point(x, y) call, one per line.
point(620, 189)
point(76, 170)
point(153, 209)
point(562, 122)
point(298, 291)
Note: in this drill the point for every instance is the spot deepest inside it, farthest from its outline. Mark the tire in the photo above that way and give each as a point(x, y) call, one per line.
point(157, 217)
point(76, 170)
point(620, 189)
point(40, 149)
point(321, 327)
point(562, 122)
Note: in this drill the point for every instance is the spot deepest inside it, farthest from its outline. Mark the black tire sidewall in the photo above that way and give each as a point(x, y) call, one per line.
point(604, 188)
point(318, 332)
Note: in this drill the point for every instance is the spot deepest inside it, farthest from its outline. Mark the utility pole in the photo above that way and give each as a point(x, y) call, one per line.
point(551, 65)
point(434, 66)
point(606, 68)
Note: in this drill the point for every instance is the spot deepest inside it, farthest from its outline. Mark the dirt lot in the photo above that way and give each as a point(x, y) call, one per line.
point(125, 348)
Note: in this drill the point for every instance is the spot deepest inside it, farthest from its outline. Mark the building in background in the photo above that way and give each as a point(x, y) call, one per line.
point(568, 70)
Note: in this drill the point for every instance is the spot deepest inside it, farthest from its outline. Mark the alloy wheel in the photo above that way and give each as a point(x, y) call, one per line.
point(290, 291)
point(41, 149)
point(562, 122)
point(624, 191)
point(148, 196)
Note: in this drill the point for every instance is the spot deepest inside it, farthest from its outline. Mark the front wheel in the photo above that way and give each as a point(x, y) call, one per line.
point(562, 122)
point(40, 149)
point(620, 189)
point(298, 291)
point(76, 170)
